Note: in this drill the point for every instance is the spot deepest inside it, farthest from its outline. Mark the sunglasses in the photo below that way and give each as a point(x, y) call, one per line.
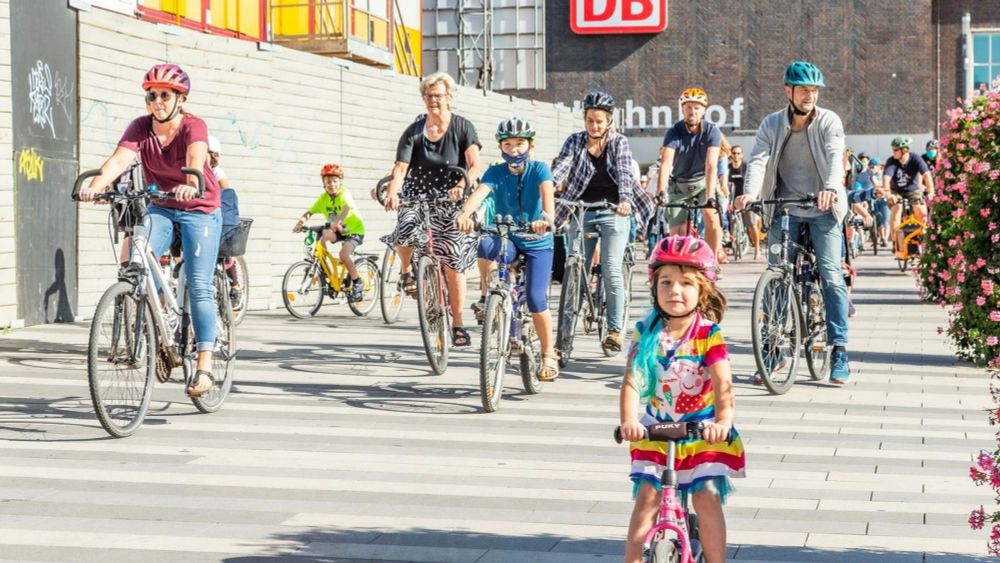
point(435, 96)
point(164, 96)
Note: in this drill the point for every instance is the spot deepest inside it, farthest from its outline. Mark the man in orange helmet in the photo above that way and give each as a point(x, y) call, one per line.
point(688, 161)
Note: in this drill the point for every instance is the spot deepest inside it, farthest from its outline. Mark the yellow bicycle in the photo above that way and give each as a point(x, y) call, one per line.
point(308, 281)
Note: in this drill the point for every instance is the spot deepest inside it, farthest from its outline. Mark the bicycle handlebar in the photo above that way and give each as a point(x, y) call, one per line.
point(804, 202)
point(382, 189)
point(75, 195)
point(671, 432)
point(510, 226)
point(603, 204)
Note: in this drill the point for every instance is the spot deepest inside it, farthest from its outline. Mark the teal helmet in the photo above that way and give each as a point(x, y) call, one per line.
point(802, 73)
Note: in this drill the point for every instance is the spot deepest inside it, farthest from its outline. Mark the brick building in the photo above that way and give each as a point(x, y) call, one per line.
point(891, 68)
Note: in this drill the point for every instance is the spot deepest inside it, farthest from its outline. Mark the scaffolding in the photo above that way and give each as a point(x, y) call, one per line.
point(487, 44)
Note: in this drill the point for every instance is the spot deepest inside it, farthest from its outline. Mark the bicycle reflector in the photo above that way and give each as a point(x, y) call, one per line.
point(776, 249)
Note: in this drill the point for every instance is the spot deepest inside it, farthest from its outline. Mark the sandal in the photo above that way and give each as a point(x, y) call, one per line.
point(460, 337)
point(613, 343)
point(549, 370)
point(203, 383)
point(408, 282)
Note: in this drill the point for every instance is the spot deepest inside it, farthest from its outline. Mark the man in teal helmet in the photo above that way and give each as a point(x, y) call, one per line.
point(799, 152)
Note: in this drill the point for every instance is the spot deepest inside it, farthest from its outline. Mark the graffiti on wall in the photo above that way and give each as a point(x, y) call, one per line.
point(31, 165)
point(40, 96)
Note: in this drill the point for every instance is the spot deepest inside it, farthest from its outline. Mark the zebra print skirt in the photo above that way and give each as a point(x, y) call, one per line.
point(456, 249)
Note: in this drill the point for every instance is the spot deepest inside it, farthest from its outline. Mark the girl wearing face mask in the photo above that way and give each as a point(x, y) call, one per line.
point(596, 165)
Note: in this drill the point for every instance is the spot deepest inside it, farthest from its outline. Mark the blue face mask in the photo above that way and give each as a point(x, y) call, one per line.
point(516, 161)
point(932, 153)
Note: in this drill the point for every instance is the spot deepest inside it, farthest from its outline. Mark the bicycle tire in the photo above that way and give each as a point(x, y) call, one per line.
point(494, 351)
point(121, 410)
point(601, 317)
point(873, 237)
point(243, 278)
point(224, 354)
point(370, 276)
point(530, 358)
point(627, 313)
point(292, 294)
point(817, 348)
point(569, 313)
point(432, 313)
point(777, 289)
point(663, 550)
point(903, 264)
point(391, 299)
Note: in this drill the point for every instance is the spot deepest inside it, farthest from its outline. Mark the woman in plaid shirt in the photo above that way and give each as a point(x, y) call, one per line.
point(596, 165)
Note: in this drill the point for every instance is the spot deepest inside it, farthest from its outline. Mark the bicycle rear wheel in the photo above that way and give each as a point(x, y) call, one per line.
point(531, 355)
point(121, 359)
point(569, 313)
point(776, 331)
point(303, 288)
point(371, 278)
point(392, 291)
point(817, 348)
point(494, 350)
point(243, 296)
point(224, 354)
point(433, 313)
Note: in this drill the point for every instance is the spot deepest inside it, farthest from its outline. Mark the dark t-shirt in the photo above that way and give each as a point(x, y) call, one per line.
point(162, 165)
point(905, 178)
point(429, 160)
point(736, 177)
point(930, 161)
point(601, 186)
point(690, 149)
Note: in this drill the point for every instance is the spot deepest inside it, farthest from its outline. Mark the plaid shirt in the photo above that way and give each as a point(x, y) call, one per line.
point(574, 166)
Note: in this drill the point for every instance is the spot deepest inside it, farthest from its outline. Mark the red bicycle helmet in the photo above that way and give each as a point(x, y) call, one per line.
point(167, 75)
point(332, 170)
point(684, 251)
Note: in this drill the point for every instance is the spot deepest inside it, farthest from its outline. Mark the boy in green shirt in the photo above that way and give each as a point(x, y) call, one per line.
point(343, 222)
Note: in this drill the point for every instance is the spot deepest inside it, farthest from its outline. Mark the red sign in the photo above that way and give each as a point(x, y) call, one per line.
point(617, 16)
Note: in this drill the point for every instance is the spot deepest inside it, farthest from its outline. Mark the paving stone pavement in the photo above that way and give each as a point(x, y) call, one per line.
point(338, 444)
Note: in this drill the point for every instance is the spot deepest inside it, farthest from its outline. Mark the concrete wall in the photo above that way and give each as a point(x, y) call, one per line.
point(8, 285)
point(280, 115)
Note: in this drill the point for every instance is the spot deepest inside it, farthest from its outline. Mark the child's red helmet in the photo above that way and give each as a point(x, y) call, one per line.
point(167, 75)
point(332, 170)
point(684, 251)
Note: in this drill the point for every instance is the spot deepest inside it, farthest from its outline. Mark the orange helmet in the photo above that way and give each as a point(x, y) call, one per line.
point(332, 170)
point(694, 95)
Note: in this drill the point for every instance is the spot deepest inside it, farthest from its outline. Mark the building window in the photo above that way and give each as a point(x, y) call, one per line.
point(985, 58)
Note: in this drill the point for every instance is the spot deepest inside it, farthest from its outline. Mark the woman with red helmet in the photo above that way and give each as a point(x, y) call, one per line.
point(165, 140)
point(678, 370)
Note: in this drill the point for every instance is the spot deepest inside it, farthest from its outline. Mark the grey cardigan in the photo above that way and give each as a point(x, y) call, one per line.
point(826, 140)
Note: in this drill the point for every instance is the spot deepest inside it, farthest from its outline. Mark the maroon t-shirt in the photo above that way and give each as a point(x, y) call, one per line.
point(162, 164)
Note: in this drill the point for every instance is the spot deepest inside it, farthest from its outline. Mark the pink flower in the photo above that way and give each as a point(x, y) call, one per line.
point(987, 287)
point(977, 518)
point(995, 316)
point(992, 226)
point(980, 301)
point(985, 212)
point(992, 341)
point(977, 476)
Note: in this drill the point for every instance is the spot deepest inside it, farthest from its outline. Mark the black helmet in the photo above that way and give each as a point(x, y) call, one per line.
point(599, 100)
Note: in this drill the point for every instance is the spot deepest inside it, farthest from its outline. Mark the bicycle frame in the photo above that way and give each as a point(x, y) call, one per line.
point(672, 514)
point(332, 267)
point(152, 278)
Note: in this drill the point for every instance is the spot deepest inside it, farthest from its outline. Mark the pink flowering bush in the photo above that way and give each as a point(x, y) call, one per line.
point(960, 268)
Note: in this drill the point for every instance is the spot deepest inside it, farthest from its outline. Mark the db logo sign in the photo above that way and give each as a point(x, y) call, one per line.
point(618, 16)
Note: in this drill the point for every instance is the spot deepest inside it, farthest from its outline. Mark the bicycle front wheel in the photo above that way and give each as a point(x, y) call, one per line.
point(776, 331)
point(433, 312)
point(392, 290)
point(371, 279)
point(121, 359)
point(303, 288)
point(494, 349)
point(569, 313)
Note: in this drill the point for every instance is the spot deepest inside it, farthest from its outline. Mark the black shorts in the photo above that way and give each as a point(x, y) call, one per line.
point(355, 239)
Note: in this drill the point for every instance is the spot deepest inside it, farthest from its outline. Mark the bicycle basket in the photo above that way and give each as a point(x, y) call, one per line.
point(234, 243)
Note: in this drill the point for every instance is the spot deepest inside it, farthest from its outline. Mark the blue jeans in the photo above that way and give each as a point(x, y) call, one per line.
point(828, 241)
point(537, 269)
point(200, 234)
point(614, 238)
point(881, 209)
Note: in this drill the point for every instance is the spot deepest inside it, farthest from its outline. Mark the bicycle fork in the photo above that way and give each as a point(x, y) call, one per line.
point(672, 517)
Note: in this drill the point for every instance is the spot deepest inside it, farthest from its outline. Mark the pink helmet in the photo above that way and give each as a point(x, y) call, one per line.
point(167, 75)
point(684, 251)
